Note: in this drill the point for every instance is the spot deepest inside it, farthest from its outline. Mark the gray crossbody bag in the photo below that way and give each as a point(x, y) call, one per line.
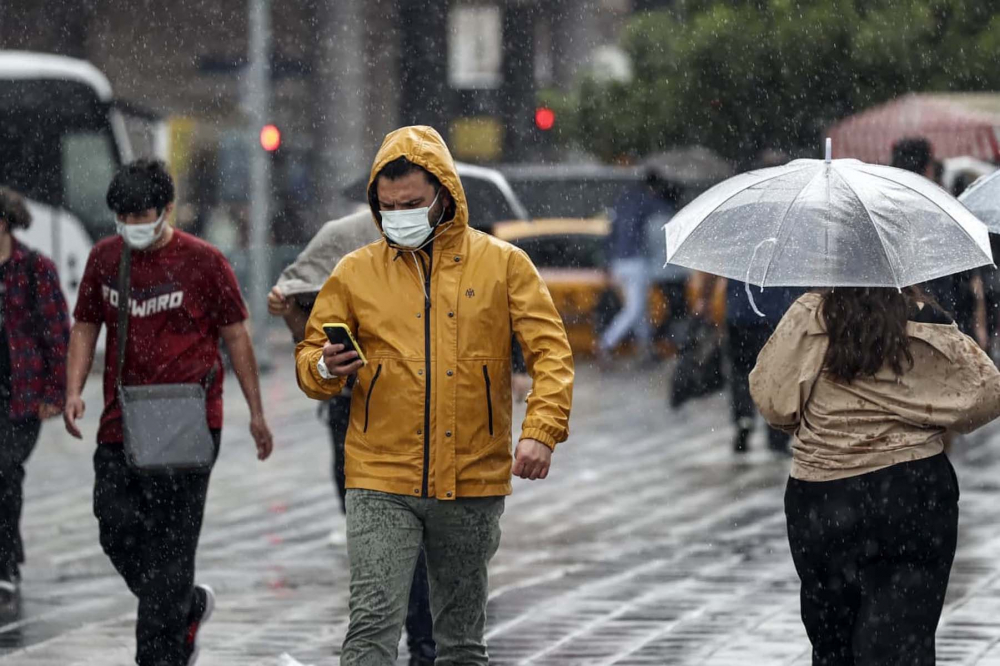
point(165, 426)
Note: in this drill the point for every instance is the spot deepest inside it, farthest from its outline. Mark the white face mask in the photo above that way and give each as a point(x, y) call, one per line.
point(409, 228)
point(141, 236)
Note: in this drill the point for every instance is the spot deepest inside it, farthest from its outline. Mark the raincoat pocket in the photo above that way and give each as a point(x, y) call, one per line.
point(489, 396)
point(368, 396)
point(483, 401)
point(387, 407)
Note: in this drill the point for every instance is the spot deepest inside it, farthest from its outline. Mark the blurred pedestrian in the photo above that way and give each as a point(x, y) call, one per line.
point(433, 306)
point(914, 154)
point(869, 380)
point(629, 256)
point(670, 280)
point(292, 298)
point(985, 283)
point(746, 333)
point(183, 296)
point(961, 294)
point(34, 333)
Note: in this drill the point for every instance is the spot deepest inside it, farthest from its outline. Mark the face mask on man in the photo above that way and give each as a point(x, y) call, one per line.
point(409, 228)
point(141, 236)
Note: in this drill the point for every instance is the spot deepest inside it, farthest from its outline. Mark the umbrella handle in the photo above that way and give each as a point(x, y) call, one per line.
point(746, 282)
point(753, 305)
point(829, 150)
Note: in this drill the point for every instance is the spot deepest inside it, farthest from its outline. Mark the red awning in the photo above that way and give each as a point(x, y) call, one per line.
point(956, 124)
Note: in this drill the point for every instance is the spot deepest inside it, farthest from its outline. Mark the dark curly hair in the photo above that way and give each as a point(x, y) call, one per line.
point(139, 186)
point(867, 329)
point(13, 209)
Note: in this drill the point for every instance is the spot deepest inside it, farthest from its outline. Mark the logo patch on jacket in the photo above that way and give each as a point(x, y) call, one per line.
point(469, 293)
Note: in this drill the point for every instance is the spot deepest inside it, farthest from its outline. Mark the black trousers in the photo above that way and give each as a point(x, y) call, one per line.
point(17, 441)
point(149, 528)
point(744, 343)
point(419, 625)
point(874, 553)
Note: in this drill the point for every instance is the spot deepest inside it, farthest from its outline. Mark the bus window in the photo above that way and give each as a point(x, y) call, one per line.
point(88, 165)
point(56, 148)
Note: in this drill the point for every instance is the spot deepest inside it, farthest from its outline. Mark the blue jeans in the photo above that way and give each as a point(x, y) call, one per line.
point(632, 276)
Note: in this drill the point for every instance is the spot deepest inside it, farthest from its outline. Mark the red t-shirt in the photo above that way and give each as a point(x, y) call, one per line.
point(181, 294)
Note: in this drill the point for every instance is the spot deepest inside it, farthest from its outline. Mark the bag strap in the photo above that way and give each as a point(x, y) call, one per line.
point(210, 377)
point(124, 296)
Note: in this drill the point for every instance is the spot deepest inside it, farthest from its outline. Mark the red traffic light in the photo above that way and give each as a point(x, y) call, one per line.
point(545, 118)
point(270, 138)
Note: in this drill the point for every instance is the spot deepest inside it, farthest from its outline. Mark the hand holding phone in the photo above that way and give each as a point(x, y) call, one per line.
point(343, 356)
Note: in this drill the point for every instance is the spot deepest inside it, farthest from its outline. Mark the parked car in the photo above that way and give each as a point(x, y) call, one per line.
point(582, 190)
point(569, 190)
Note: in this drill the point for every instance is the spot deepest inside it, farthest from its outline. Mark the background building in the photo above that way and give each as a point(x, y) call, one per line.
point(344, 73)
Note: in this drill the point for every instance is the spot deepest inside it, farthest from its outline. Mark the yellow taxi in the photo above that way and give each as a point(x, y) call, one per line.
point(570, 256)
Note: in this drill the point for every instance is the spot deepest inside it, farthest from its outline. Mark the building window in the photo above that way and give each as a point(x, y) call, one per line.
point(544, 60)
point(475, 46)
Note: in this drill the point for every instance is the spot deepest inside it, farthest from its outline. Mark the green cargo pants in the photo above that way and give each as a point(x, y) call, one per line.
point(384, 535)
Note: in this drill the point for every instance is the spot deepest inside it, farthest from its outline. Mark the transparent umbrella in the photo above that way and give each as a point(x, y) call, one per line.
point(827, 223)
point(983, 199)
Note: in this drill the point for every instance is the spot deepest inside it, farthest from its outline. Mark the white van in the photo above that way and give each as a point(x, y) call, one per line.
point(62, 137)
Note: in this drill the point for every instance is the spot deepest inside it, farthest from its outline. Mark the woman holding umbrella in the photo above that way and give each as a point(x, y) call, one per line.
point(868, 375)
point(869, 380)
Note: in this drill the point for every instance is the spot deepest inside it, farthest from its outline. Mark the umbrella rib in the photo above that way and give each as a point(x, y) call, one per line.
point(781, 225)
point(933, 203)
point(881, 240)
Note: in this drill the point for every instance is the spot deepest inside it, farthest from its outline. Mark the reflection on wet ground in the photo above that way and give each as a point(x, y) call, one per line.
point(648, 544)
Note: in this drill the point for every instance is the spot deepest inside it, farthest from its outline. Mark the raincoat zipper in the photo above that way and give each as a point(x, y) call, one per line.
point(371, 389)
point(489, 397)
point(427, 366)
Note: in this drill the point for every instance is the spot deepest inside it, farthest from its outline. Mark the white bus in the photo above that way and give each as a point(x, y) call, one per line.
point(62, 137)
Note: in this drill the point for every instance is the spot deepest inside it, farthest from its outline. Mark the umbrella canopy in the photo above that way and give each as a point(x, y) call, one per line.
point(689, 166)
point(827, 223)
point(983, 199)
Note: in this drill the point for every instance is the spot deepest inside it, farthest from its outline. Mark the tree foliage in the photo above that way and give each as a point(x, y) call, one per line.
point(742, 75)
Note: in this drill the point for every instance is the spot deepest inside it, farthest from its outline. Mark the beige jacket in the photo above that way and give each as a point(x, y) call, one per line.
point(844, 430)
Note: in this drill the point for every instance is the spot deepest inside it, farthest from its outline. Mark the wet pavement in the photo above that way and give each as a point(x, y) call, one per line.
point(648, 544)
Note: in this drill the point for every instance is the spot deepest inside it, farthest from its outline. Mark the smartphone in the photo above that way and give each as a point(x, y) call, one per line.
point(340, 334)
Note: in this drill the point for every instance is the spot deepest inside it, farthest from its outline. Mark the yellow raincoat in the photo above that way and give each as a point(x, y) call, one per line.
point(431, 411)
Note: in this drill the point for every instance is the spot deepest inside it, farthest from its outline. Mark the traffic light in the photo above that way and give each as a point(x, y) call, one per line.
point(270, 138)
point(545, 118)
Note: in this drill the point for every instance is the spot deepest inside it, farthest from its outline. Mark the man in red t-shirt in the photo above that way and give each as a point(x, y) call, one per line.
point(183, 297)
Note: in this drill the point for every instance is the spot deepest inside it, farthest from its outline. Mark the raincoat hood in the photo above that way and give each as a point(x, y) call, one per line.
point(423, 146)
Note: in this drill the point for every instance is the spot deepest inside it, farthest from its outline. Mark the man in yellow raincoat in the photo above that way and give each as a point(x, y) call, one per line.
point(433, 306)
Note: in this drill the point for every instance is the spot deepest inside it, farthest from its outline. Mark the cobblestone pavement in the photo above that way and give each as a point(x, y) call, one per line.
point(648, 544)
